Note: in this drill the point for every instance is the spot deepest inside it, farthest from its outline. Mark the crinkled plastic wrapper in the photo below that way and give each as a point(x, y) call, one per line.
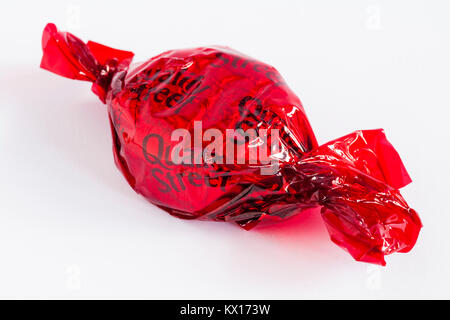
point(187, 101)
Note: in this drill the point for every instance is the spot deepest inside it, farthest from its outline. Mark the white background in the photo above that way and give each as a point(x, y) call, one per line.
point(71, 227)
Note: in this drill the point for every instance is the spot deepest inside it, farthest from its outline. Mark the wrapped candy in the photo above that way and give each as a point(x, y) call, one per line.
point(209, 133)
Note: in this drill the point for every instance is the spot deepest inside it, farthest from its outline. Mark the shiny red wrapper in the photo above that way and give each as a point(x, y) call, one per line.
point(207, 91)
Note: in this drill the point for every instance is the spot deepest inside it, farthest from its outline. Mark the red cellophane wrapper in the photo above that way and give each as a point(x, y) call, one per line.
point(354, 179)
